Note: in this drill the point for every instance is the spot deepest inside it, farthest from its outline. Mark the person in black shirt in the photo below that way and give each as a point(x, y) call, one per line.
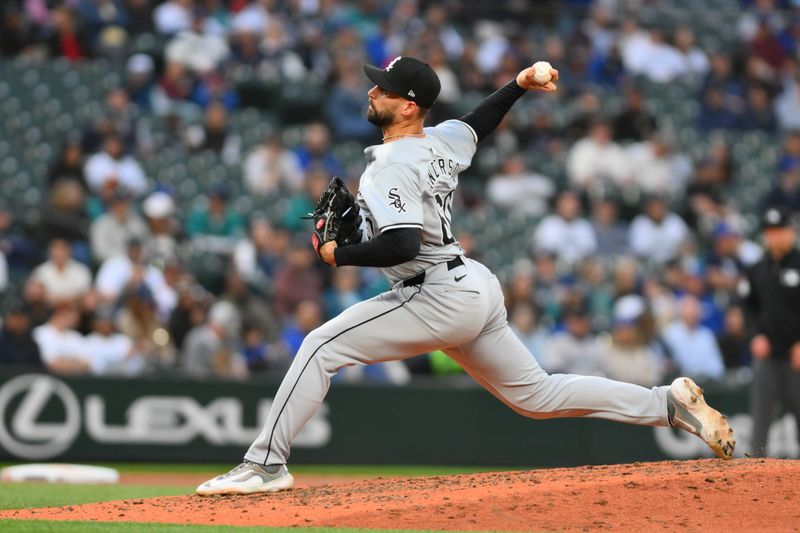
point(771, 294)
point(17, 346)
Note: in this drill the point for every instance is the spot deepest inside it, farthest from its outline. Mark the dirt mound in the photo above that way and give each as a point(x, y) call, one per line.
point(740, 495)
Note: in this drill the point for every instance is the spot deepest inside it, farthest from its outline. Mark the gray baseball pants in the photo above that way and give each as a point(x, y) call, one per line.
point(466, 319)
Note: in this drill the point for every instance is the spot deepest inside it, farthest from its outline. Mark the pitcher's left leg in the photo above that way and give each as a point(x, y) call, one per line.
point(501, 363)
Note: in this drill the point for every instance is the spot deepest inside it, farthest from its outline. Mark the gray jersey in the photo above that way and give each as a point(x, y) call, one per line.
point(409, 183)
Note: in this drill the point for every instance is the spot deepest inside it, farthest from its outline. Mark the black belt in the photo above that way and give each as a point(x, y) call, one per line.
point(419, 279)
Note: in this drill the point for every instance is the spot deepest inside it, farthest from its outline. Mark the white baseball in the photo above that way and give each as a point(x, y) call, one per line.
point(541, 72)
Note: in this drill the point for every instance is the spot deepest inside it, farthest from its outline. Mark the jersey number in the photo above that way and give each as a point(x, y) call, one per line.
point(445, 212)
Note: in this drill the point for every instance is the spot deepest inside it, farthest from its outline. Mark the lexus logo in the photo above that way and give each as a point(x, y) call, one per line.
point(22, 432)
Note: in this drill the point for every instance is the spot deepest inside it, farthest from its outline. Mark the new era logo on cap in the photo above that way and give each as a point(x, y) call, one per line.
point(407, 77)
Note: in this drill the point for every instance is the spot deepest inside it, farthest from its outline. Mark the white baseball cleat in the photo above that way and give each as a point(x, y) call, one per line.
point(248, 478)
point(688, 410)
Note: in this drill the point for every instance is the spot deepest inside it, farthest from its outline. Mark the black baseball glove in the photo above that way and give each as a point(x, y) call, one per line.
point(336, 217)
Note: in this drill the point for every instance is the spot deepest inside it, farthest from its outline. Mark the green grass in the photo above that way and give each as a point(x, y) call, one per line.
point(321, 470)
point(26, 495)
point(45, 526)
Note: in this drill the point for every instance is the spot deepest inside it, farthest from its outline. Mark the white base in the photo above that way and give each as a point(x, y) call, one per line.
point(59, 473)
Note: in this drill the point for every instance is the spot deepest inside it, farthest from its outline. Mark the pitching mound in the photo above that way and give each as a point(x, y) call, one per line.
point(741, 495)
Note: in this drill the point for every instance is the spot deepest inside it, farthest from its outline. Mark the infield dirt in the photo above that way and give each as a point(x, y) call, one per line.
point(705, 495)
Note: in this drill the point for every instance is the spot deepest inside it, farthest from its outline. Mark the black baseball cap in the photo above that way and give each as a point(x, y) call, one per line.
point(407, 77)
point(776, 217)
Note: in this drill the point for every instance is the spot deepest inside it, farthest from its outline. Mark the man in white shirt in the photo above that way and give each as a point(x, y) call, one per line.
point(114, 352)
point(63, 277)
point(197, 49)
point(657, 168)
point(117, 272)
point(63, 350)
point(110, 232)
point(112, 167)
point(173, 16)
point(565, 233)
point(693, 346)
point(657, 234)
point(597, 158)
point(520, 190)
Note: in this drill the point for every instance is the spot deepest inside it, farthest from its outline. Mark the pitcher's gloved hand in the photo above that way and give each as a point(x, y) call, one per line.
point(336, 217)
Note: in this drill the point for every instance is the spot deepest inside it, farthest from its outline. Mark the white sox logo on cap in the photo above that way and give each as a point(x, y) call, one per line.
point(391, 64)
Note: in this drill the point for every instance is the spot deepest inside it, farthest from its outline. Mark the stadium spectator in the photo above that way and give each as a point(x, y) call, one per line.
point(525, 325)
point(120, 272)
point(296, 280)
point(69, 165)
point(270, 168)
point(657, 168)
point(565, 233)
point(573, 350)
point(210, 350)
point(584, 117)
point(17, 346)
point(655, 59)
point(214, 135)
point(597, 158)
point(253, 309)
point(19, 250)
point(610, 232)
point(758, 113)
point(65, 39)
point(64, 278)
point(140, 83)
point(195, 48)
point(138, 320)
point(307, 316)
point(315, 152)
point(258, 256)
point(787, 106)
point(114, 352)
point(215, 227)
point(694, 60)
point(766, 46)
point(715, 112)
point(174, 86)
point(110, 233)
point(517, 189)
point(35, 298)
point(634, 122)
point(161, 247)
point(657, 234)
point(627, 355)
point(173, 16)
point(692, 345)
point(731, 246)
point(343, 292)
point(732, 341)
point(111, 167)
point(786, 192)
point(62, 348)
point(65, 217)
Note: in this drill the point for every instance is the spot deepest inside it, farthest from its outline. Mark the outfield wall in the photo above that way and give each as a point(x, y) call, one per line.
point(44, 417)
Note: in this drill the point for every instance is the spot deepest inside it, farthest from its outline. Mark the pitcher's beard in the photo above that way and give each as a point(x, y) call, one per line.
point(378, 118)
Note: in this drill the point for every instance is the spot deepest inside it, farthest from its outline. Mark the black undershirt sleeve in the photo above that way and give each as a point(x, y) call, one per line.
point(487, 116)
point(386, 249)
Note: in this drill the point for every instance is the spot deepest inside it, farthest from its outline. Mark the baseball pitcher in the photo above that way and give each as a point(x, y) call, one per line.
point(440, 299)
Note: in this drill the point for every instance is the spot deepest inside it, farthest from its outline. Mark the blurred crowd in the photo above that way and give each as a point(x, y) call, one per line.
point(631, 268)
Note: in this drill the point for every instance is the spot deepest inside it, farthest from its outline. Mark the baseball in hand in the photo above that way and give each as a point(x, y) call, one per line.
point(541, 72)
